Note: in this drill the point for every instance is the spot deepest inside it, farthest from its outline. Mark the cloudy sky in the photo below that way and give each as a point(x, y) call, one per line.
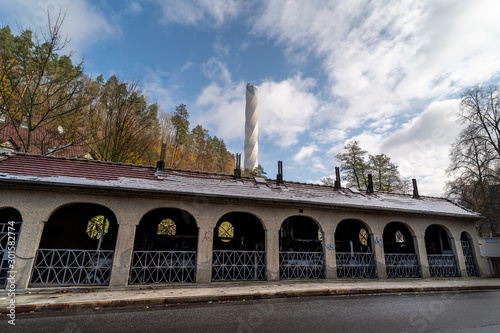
point(386, 73)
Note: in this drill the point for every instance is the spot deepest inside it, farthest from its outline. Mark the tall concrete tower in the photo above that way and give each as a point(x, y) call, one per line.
point(251, 128)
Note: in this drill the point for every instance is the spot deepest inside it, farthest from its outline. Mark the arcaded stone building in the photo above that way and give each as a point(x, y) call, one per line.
point(81, 222)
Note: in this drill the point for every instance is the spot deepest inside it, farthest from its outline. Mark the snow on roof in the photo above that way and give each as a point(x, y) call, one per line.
point(78, 172)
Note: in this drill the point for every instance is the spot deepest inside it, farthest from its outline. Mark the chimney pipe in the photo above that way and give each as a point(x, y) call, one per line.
point(369, 188)
point(337, 185)
point(279, 176)
point(415, 189)
point(160, 164)
point(237, 166)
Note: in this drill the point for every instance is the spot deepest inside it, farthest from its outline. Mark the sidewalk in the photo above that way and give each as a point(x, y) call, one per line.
point(93, 297)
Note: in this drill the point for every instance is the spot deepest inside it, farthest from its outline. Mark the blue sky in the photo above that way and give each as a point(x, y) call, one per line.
point(386, 73)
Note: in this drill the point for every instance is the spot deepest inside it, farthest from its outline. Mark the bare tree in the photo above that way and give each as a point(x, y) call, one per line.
point(475, 156)
point(42, 92)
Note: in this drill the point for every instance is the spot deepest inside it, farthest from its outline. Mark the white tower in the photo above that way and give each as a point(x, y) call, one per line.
point(251, 128)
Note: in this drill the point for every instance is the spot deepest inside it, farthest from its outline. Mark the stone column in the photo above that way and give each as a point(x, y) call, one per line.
point(378, 249)
point(330, 253)
point(27, 246)
point(272, 254)
point(204, 255)
point(421, 251)
point(123, 255)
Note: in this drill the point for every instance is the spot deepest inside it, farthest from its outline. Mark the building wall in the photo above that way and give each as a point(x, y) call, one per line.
point(36, 205)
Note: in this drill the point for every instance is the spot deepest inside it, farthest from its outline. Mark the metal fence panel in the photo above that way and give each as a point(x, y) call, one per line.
point(163, 267)
point(9, 232)
point(302, 265)
point(441, 265)
point(72, 267)
point(470, 261)
point(402, 265)
point(238, 265)
point(356, 265)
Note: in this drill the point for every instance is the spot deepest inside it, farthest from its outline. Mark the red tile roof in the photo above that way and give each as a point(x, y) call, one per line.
point(78, 172)
point(45, 139)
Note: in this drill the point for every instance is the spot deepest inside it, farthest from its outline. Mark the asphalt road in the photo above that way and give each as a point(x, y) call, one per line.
point(417, 312)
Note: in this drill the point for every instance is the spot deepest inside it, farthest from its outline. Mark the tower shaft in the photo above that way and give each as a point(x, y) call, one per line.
point(251, 128)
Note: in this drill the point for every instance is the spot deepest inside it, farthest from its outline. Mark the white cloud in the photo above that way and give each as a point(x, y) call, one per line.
point(215, 69)
point(380, 55)
point(285, 109)
point(84, 23)
point(191, 12)
point(421, 147)
point(304, 153)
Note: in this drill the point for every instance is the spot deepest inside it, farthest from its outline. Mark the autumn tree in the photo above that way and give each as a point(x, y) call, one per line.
point(122, 123)
point(42, 93)
point(475, 157)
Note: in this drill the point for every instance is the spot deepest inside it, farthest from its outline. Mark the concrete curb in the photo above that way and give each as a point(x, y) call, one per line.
point(150, 301)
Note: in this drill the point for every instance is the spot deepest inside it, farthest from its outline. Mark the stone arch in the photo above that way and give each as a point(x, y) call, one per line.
point(354, 250)
point(400, 250)
point(76, 247)
point(347, 236)
point(301, 249)
point(301, 234)
point(394, 244)
point(469, 254)
point(149, 237)
point(441, 256)
point(239, 248)
point(67, 226)
point(247, 235)
point(438, 240)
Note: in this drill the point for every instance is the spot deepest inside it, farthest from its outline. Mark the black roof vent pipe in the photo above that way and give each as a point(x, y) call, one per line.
point(337, 185)
point(279, 176)
point(415, 189)
point(237, 166)
point(160, 164)
point(369, 188)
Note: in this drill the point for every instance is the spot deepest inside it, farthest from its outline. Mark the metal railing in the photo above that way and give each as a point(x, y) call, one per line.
point(72, 267)
point(302, 265)
point(356, 265)
point(402, 265)
point(238, 265)
point(441, 265)
point(163, 267)
point(470, 261)
point(9, 233)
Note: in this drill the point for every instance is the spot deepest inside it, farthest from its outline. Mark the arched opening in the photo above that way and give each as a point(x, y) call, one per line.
point(165, 248)
point(469, 254)
point(239, 248)
point(301, 249)
point(76, 247)
point(442, 260)
point(10, 227)
point(353, 245)
point(401, 259)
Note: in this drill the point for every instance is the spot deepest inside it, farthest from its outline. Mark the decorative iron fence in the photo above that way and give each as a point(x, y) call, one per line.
point(163, 267)
point(402, 265)
point(441, 265)
point(238, 265)
point(72, 267)
point(302, 265)
point(356, 265)
point(9, 234)
point(470, 261)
